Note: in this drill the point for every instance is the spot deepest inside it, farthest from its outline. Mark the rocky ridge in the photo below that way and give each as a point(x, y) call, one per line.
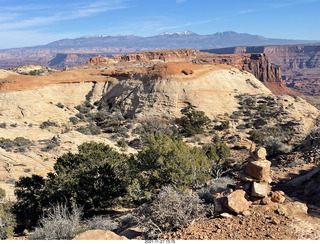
point(257, 64)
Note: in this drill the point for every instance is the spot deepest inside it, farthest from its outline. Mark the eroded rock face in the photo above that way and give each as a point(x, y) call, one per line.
point(257, 64)
point(174, 55)
point(299, 64)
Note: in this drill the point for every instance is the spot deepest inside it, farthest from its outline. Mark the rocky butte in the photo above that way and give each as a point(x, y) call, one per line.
point(257, 64)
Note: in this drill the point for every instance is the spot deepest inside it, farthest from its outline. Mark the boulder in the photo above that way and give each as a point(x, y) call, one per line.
point(259, 170)
point(237, 202)
point(259, 189)
point(99, 235)
point(278, 196)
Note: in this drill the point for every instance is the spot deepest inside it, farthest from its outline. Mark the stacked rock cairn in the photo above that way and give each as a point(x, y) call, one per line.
point(257, 174)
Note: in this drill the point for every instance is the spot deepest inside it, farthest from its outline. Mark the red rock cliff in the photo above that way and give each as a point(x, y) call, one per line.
point(257, 64)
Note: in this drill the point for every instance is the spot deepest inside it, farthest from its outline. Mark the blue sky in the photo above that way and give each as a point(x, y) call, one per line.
point(33, 22)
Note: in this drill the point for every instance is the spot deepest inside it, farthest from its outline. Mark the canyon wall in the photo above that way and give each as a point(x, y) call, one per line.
point(300, 64)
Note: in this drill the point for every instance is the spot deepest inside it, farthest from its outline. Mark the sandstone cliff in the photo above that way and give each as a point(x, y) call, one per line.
point(299, 64)
point(257, 64)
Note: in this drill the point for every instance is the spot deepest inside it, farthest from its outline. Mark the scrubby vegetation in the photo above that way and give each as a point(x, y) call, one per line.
point(169, 211)
point(19, 144)
point(47, 124)
point(58, 224)
point(171, 179)
point(194, 122)
point(7, 219)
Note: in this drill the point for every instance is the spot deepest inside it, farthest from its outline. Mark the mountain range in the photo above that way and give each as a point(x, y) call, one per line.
point(171, 40)
point(57, 54)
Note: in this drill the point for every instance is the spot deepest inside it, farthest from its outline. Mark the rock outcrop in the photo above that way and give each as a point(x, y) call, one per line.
point(99, 235)
point(299, 64)
point(174, 55)
point(257, 64)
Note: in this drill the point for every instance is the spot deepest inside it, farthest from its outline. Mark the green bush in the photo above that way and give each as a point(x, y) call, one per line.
point(48, 123)
point(217, 151)
point(194, 122)
point(94, 178)
point(2, 194)
point(257, 137)
point(7, 221)
point(74, 120)
point(166, 161)
point(60, 105)
point(122, 143)
point(170, 211)
point(30, 200)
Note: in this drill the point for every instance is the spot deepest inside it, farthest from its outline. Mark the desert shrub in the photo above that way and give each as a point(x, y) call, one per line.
point(224, 125)
point(195, 139)
point(74, 120)
point(89, 95)
point(80, 116)
point(275, 146)
point(49, 147)
point(58, 224)
point(84, 108)
point(60, 105)
point(6, 144)
point(217, 151)
point(154, 127)
point(312, 139)
point(48, 123)
point(3, 125)
point(2, 194)
point(94, 178)
point(297, 161)
point(90, 129)
point(194, 122)
point(19, 142)
point(257, 137)
point(7, 221)
point(135, 143)
point(100, 223)
point(215, 185)
point(122, 143)
point(167, 161)
point(169, 211)
point(30, 200)
point(317, 121)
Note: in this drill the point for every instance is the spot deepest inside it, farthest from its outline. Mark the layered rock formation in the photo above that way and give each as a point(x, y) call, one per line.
point(299, 64)
point(257, 64)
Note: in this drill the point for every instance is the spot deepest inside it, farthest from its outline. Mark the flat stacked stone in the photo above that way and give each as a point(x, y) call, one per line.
point(257, 172)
